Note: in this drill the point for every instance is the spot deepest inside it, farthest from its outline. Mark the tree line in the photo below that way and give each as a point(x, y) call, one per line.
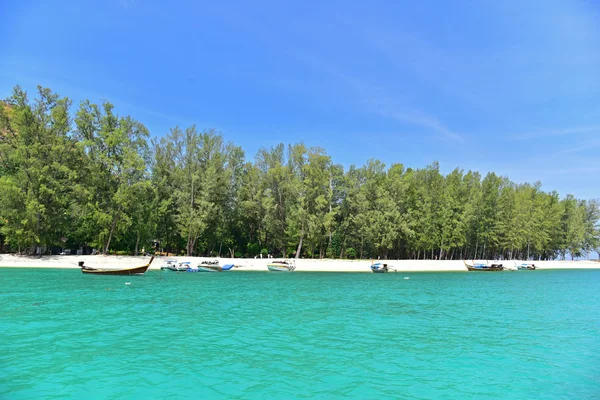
point(91, 178)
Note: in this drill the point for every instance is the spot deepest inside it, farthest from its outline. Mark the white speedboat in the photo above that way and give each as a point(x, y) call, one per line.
point(282, 265)
point(172, 265)
point(525, 265)
point(209, 266)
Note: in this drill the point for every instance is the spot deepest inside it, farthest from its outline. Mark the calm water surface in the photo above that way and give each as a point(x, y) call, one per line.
point(250, 335)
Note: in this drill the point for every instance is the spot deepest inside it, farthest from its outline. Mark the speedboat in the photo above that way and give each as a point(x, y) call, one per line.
point(525, 265)
point(379, 268)
point(172, 265)
point(209, 266)
point(282, 265)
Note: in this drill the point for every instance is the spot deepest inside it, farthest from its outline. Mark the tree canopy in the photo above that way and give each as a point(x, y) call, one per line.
point(91, 178)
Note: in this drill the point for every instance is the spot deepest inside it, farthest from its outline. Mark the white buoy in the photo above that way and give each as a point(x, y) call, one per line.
point(128, 283)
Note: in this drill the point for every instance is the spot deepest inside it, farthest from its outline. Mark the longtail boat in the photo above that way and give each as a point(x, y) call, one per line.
point(124, 271)
point(483, 267)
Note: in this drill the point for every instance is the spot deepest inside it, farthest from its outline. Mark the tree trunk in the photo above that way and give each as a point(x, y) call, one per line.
point(137, 243)
point(361, 246)
point(112, 229)
point(191, 243)
point(331, 193)
point(299, 249)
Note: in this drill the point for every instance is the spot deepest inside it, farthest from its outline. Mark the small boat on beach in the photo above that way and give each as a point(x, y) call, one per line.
point(525, 266)
point(282, 265)
point(172, 265)
point(213, 266)
point(380, 268)
point(483, 267)
point(123, 271)
point(210, 266)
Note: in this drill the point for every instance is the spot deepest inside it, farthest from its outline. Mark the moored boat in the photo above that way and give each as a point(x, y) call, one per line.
point(209, 266)
point(483, 267)
point(525, 266)
point(282, 265)
point(379, 268)
point(172, 265)
point(192, 268)
point(122, 271)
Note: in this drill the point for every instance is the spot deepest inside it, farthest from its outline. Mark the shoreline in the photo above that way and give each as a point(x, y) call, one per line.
point(257, 264)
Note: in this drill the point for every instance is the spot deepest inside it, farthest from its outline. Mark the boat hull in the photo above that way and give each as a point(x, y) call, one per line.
point(379, 270)
point(129, 271)
point(203, 268)
point(281, 268)
point(484, 267)
point(489, 269)
point(176, 269)
point(125, 271)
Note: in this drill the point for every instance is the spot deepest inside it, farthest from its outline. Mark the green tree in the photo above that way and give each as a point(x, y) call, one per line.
point(40, 163)
point(115, 148)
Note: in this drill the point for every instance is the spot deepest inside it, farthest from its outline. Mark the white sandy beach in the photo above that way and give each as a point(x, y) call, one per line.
point(252, 264)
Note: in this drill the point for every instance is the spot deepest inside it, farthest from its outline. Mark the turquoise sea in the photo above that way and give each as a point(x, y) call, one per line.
point(255, 335)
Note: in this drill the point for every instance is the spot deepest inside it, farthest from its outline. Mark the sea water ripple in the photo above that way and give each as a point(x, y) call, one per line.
point(518, 335)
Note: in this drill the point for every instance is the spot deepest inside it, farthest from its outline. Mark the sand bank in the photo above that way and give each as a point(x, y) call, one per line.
point(252, 264)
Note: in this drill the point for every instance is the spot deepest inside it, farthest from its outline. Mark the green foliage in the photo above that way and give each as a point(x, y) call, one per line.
point(95, 181)
point(40, 163)
point(117, 195)
point(253, 249)
point(351, 253)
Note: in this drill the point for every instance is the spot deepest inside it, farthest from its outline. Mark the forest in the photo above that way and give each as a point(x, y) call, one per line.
point(88, 178)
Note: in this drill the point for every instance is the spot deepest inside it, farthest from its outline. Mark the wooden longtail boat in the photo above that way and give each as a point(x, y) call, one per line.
point(124, 271)
point(484, 267)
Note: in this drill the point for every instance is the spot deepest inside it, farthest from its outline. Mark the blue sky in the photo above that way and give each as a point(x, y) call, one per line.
point(511, 87)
